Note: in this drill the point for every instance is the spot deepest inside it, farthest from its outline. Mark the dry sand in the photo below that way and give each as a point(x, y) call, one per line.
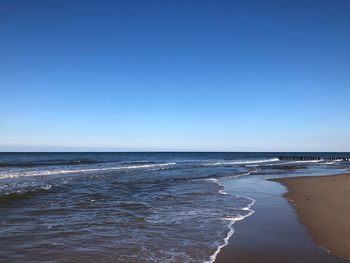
point(323, 206)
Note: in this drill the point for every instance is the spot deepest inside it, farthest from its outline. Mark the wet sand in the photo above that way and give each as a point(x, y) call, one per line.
point(273, 234)
point(323, 206)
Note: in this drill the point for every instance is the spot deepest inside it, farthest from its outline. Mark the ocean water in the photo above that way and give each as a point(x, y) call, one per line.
point(130, 207)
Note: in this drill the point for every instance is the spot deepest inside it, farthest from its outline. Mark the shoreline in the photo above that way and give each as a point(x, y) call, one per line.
point(232, 221)
point(322, 204)
point(273, 233)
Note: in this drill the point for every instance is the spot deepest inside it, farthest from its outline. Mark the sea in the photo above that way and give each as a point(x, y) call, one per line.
point(131, 207)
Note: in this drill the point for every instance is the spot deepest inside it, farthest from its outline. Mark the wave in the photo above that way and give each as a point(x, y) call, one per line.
point(290, 163)
point(310, 161)
point(231, 231)
point(72, 171)
point(48, 163)
point(210, 177)
point(244, 162)
point(231, 220)
point(23, 194)
point(139, 162)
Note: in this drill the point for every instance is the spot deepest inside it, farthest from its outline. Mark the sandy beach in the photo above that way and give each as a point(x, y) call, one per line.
point(323, 206)
point(273, 233)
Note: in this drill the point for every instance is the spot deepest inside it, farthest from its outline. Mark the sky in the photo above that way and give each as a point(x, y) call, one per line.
point(174, 75)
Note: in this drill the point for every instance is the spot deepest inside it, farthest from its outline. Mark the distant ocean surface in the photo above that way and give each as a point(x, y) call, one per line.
point(129, 207)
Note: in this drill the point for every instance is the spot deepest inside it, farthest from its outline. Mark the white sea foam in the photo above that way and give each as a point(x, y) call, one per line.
point(222, 192)
point(214, 180)
point(46, 187)
point(237, 175)
point(244, 162)
point(286, 163)
point(310, 161)
point(231, 220)
point(56, 171)
point(329, 163)
point(212, 258)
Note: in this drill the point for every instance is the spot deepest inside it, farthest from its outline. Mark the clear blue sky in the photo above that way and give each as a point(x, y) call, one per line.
point(175, 75)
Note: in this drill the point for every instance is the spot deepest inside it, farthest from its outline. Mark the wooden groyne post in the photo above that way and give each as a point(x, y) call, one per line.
point(313, 158)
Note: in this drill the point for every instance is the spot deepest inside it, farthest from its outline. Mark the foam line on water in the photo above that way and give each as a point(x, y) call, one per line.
point(244, 162)
point(231, 231)
point(53, 172)
point(286, 163)
point(231, 221)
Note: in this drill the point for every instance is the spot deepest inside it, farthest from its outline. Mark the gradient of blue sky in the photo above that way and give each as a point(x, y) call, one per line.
point(175, 75)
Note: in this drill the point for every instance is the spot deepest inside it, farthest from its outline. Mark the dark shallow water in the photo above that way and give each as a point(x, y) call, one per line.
point(128, 207)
